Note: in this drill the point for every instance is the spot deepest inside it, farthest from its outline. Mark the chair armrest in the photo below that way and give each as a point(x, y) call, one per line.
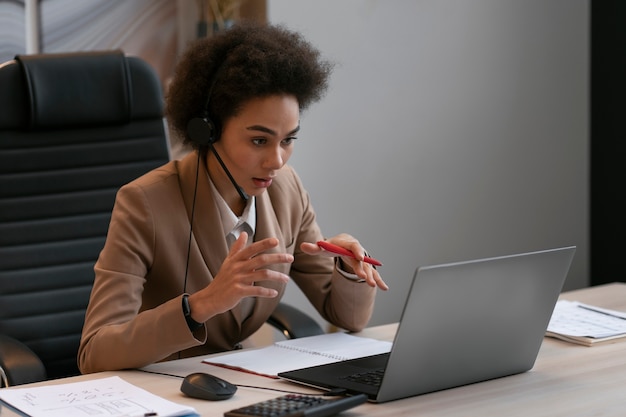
point(20, 364)
point(293, 323)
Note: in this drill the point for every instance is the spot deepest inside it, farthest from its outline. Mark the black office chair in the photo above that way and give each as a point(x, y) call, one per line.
point(73, 128)
point(293, 323)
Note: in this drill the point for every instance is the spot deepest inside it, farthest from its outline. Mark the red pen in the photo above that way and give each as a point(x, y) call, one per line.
point(345, 252)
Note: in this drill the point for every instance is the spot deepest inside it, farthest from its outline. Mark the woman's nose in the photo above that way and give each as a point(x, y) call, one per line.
point(274, 159)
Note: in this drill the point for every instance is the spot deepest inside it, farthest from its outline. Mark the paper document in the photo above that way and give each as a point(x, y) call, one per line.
point(299, 353)
point(99, 397)
point(585, 324)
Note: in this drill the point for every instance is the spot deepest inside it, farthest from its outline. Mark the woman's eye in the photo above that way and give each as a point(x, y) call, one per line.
point(259, 141)
point(288, 141)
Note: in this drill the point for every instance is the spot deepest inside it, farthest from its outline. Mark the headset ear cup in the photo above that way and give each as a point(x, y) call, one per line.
point(201, 131)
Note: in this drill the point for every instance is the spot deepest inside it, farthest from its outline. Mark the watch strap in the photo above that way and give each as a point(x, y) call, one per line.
point(191, 323)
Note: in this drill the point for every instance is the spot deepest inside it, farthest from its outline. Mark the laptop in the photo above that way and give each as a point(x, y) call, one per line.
point(462, 323)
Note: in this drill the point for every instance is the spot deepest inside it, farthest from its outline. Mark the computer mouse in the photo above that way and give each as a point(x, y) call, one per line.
point(207, 387)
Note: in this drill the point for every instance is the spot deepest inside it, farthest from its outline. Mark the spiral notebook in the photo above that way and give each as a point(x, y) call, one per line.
point(293, 354)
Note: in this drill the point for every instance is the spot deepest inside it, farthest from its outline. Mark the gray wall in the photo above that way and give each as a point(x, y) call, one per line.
point(453, 129)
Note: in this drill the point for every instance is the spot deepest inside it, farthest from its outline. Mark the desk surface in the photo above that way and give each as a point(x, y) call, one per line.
point(567, 380)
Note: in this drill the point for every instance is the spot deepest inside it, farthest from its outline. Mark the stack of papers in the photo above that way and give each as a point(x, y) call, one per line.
point(586, 324)
point(99, 397)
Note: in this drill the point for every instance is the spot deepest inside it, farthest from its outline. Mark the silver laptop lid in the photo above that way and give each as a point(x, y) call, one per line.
point(472, 321)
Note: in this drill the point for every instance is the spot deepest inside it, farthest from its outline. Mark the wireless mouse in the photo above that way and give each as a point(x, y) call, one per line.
point(207, 387)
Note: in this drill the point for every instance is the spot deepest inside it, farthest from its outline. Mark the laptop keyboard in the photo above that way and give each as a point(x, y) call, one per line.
point(372, 378)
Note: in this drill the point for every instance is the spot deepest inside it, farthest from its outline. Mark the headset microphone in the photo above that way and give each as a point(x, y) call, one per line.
point(240, 190)
point(201, 131)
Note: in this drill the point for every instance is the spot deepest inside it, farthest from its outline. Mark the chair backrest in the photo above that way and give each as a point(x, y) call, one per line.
point(73, 128)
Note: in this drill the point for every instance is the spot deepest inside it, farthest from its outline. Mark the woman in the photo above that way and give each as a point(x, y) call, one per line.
point(199, 251)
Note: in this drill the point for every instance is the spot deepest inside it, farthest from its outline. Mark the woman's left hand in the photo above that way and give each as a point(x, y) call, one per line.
point(354, 265)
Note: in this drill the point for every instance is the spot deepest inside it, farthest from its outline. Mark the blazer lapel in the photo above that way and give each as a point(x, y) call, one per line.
point(207, 227)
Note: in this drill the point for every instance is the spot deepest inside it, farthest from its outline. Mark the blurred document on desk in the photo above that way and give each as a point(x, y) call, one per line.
point(102, 397)
point(585, 324)
point(299, 353)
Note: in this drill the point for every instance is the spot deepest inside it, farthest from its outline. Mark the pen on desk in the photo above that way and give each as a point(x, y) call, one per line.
point(584, 307)
point(345, 252)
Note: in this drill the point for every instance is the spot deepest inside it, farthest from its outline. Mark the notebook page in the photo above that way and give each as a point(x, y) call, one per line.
point(300, 353)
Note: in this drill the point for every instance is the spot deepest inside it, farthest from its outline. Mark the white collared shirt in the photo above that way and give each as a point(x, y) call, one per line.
point(231, 224)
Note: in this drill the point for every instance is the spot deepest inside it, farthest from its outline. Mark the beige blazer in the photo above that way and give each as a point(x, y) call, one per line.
point(135, 316)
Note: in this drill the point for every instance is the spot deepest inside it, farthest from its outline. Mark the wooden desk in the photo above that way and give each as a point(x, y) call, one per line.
point(567, 380)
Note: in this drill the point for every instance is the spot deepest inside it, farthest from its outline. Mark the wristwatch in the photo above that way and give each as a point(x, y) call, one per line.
point(191, 323)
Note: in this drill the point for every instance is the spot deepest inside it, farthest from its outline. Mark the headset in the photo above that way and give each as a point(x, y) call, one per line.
point(202, 131)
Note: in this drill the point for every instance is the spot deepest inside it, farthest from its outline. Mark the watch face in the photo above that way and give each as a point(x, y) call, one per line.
point(186, 308)
point(193, 325)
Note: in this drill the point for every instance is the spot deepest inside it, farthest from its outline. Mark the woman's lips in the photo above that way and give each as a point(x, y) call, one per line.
point(262, 182)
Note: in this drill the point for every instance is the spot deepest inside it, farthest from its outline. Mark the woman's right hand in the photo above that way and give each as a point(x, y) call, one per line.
point(235, 280)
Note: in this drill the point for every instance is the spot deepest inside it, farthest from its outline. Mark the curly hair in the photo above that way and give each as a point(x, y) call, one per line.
point(244, 62)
